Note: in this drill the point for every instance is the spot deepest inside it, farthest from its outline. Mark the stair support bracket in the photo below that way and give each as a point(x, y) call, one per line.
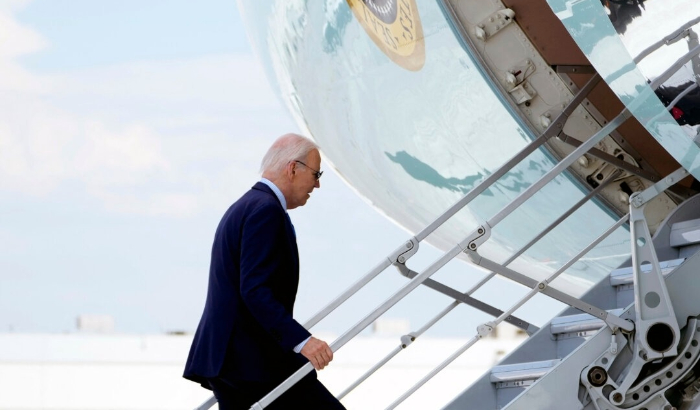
point(649, 392)
point(656, 332)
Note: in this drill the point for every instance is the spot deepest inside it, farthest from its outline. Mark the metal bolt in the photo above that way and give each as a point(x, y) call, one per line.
point(481, 231)
point(597, 376)
point(409, 245)
point(472, 246)
point(541, 286)
point(402, 259)
point(617, 397)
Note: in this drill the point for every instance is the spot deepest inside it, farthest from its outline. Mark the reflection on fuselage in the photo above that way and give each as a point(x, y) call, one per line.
point(511, 181)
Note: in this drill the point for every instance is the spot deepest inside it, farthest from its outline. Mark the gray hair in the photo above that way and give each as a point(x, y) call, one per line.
point(289, 147)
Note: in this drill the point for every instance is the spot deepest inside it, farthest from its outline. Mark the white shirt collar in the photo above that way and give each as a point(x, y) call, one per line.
point(277, 192)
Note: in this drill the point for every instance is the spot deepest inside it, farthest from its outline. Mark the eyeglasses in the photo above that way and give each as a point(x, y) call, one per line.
point(317, 174)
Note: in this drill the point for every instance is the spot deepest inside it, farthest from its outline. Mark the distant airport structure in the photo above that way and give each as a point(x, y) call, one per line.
point(95, 369)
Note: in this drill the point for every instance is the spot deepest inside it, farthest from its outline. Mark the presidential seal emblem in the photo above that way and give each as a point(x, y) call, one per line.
point(394, 26)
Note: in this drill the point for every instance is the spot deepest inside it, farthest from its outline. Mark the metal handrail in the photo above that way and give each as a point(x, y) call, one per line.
point(207, 404)
point(675, 67)
point(668, 40)
point(680, 95)
point(367, 320)
point(485, 329)
point(407, 339)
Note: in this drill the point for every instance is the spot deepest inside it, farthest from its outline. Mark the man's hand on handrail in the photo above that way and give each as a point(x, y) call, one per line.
point(318, 352)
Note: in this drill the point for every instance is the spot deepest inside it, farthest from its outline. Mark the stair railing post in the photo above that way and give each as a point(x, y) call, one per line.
point(657, 332)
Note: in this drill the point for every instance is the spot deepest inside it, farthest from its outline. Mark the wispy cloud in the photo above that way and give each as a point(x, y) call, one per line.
point(142, 137)
point(42, 146)
point(17, 40)
point(217, 79)
point(163, 204)
point(13, 4)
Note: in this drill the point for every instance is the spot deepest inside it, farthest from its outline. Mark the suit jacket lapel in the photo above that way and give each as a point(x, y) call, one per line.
point(292, 237)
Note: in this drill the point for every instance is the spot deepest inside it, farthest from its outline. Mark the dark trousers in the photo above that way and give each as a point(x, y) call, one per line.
point(308, 393)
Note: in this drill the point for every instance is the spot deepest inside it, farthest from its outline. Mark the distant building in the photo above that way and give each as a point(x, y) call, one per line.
point(95, 323)
point(97, 369)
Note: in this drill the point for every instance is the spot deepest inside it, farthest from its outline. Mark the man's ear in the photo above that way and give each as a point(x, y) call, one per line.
point(291, 168)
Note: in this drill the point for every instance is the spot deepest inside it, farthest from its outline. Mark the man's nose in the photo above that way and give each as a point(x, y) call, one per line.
point(318, 183)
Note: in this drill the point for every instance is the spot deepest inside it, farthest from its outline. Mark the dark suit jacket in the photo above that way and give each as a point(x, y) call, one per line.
point(247, 332)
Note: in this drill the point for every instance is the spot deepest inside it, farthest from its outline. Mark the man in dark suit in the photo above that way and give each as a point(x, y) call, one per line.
point(247, 341)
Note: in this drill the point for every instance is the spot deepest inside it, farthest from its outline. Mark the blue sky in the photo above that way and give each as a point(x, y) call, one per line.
point(86, 33)
point(126, 129)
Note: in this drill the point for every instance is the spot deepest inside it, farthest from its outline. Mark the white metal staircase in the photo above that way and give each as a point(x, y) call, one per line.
point(545, 372)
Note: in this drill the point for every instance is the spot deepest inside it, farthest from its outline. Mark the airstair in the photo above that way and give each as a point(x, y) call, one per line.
point(632, 341)
point(550, 370)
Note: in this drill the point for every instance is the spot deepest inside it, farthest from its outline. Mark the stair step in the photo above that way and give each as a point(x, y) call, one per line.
point(578, 324)
point(625, 276)
point(520, 374)
point(685, 233)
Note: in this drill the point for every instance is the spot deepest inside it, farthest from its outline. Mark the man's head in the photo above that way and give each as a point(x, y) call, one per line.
point(292, 163)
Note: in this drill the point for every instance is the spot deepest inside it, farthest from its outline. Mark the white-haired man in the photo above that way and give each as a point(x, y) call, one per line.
point(247, 341)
